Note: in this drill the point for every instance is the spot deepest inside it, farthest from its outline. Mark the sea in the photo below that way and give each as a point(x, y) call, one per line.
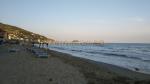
point(127, 55)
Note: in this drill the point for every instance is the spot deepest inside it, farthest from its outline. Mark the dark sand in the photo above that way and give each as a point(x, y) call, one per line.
point(102, 73)
point(23, 68)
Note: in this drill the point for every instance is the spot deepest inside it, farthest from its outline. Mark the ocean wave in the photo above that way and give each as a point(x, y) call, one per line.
point(127, 56)
point(117, 55)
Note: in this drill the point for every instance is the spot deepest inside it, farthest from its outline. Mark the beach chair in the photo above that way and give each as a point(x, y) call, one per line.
point(38, 52)
point(13, 50)
point(42, 55)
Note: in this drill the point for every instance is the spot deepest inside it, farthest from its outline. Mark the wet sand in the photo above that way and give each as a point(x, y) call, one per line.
point(23, 68)
point(102, 73)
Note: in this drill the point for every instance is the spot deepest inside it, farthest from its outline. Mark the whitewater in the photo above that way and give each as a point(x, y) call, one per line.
point(127, 55)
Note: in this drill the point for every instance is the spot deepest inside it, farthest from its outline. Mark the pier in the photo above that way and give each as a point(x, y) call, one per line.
point(76, 42)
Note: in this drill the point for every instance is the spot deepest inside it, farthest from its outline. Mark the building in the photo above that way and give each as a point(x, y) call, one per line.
point(3, 36)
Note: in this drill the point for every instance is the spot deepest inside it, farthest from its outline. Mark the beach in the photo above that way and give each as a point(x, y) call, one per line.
point(22, 67)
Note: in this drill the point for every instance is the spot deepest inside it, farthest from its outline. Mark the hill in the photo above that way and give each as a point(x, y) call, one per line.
point(22, 34)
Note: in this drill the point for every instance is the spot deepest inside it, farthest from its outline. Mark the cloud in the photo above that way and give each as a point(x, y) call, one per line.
point(135, 19)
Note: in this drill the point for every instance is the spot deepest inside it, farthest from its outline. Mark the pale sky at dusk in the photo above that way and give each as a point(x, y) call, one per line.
point(108, 20)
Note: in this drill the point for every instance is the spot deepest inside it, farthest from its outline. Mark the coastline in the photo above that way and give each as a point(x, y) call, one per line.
point(60, 68)
point(134, 57)
point(102, 69)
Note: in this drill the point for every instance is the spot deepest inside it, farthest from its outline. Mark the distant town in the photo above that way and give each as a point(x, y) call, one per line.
point(10, 33)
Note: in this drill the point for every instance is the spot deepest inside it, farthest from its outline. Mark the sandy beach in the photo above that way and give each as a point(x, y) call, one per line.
point(22, 67)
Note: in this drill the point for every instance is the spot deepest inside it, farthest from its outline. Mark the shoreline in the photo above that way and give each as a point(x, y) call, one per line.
point(133, 68)
point(23, 67)
point(99, 63)
point(119, 71)
point(134, 62)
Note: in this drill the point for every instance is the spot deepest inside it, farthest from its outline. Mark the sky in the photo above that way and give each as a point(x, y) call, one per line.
point(117, 21)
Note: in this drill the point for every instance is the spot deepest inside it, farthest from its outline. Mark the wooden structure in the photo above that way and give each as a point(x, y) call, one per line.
point(76, 42)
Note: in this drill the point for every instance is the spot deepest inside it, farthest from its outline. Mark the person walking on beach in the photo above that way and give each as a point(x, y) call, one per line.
point(47, 45)
point(32, 44)
point(39, 45)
